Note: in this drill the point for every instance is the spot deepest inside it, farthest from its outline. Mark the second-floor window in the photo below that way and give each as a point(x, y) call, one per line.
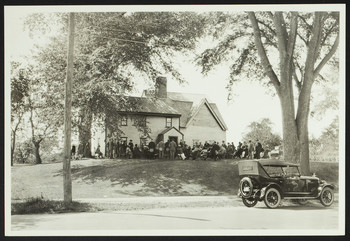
point(169, 122)
point(124, 120)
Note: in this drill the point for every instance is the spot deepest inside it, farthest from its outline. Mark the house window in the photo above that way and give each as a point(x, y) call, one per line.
point(124, 120)
point(169, 122)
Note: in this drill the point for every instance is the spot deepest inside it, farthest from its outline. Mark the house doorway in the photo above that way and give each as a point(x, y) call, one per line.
point(173, 138)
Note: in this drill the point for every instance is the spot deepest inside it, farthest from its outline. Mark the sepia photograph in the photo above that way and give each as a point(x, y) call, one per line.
point(174, 120)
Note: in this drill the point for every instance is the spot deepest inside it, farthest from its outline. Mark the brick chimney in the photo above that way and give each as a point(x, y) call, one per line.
point(161, 87)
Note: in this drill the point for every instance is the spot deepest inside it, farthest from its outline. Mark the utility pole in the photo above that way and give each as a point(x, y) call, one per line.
point(67, 180)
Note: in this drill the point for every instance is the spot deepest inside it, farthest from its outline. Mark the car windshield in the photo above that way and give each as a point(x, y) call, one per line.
point(274, 171)
point(291, 171)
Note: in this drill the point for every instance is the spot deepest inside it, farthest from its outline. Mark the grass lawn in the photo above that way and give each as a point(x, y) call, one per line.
point(104, 178)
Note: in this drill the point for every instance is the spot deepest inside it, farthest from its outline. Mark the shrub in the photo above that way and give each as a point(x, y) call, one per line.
point(39, 205)
point(24, 152)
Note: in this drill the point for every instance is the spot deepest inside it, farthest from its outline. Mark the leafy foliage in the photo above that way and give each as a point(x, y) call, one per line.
point(326, 147)
point(24, 152)
point(235, 46)
point(19, 93)
point(262, 131)
point(292, 50)
point(111, 49)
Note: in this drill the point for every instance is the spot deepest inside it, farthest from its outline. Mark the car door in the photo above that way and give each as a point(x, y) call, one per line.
point(293, 184)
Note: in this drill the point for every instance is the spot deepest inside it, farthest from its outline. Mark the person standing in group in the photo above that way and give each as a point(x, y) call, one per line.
point(258, 149)
point(152, 147)
point(161, 147)
point(250, 150)
point(172, 149)
point(131, 145)
point(116, 147)
point(214, 151)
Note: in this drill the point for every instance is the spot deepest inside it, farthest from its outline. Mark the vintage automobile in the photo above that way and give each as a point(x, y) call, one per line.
point(272, 180)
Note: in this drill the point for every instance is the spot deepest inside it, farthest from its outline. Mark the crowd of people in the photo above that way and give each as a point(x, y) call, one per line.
point(171, 150)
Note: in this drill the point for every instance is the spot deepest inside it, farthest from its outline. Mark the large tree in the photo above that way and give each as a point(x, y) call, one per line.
point(19, 92)
point(111, 49)
point(286, 50)
point(45, 107)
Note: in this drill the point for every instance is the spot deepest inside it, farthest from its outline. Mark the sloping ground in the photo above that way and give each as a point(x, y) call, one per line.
point(129, 178)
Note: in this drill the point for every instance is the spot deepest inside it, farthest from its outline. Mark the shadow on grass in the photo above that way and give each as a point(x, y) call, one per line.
point(163, 176)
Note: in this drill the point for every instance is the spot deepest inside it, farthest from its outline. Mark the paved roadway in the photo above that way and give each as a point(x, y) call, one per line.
point(194, 220)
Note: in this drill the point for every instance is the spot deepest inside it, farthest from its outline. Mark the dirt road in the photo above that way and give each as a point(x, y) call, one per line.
point(237, 219)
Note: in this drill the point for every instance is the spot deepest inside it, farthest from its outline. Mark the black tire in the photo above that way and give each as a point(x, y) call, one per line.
point(249, 202)
point(327, 196)
point(302, 201)
point(272, 198)
point(244, 184)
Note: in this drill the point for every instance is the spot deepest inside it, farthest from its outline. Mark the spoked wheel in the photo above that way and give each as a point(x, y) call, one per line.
point(327, 196)
point(302, 201)
point(272, 198)
point(249, 202)
point(246, 187)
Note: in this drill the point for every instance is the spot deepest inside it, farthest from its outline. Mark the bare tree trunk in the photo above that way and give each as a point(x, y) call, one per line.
point(85, 132)
point(302, 123)
point(14, 132)
point(37, 153)
point(290, 132)
point(304, 148)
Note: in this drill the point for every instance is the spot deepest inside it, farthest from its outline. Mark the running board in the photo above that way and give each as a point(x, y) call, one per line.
point(300, 198)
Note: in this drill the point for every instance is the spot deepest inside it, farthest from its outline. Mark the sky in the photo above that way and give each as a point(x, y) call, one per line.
point(250, 100)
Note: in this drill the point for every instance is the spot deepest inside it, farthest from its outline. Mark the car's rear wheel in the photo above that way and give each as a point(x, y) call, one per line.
point(272, 198)
point(327, 196)
point(249, 202)
point(302, 201)
point(246, 187)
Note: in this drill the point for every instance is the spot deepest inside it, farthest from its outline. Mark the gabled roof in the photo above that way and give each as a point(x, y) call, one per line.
point(150, 106)
point(190, 104)
point(186, 105)
point(168, 129)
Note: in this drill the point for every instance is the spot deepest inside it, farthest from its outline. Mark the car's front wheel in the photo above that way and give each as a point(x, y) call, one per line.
point(327, 196)
point(249, 202)
point(272, 198)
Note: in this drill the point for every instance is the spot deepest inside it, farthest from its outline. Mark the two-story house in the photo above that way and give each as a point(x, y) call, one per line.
point(168, 115)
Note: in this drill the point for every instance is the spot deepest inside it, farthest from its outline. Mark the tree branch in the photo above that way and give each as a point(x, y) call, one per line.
point(268, 40)
point(304, 40)
point(319, 38)
point(312, 48)
point(270, 14)
point(297, 81)
point(267, 26)
point(329, 32)
point(281, 34)
point(292, 36)
point(306, 23)
point(327, 57)
point(262, 53)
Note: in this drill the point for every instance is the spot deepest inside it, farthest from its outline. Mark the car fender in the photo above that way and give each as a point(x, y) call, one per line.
point(322, 186)
point(263, 190)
